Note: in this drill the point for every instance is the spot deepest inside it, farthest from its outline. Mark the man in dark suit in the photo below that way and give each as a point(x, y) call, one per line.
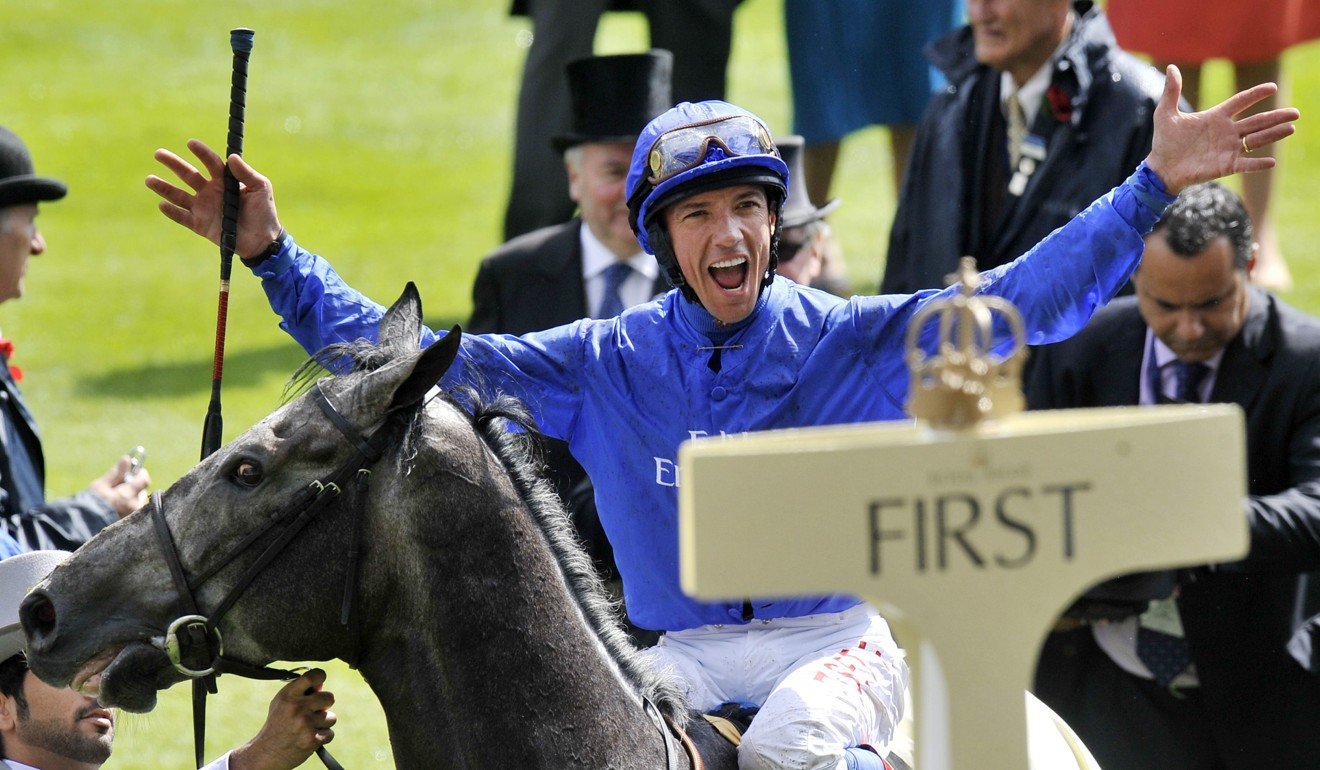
point(1043, 114)
point(591, 266)
point(27, 516)
point(1193, 669)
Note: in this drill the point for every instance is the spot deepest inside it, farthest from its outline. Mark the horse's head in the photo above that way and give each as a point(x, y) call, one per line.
point(274, 513)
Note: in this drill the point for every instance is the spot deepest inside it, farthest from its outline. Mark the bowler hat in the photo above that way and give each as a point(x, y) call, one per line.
point(17, 182)
point(614, 97)
point(18, 575)
point(798, 209)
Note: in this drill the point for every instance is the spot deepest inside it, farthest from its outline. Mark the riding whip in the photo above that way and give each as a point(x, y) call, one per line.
point(240, 40)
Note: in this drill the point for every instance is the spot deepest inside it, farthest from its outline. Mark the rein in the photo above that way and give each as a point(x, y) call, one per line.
point(193, 642)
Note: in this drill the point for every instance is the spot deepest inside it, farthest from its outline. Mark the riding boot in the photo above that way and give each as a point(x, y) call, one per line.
point(863, 759)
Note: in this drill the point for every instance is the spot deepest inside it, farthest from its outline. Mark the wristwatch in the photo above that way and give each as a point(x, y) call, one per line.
point(271, 250)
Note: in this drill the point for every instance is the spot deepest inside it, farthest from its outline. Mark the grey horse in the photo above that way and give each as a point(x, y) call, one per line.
point(471, 612)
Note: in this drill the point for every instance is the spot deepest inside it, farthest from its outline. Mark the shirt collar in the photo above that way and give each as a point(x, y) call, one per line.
point(596, 257)
point(1164, 355)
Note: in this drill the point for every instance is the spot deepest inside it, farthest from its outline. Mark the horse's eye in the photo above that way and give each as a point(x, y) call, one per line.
point(248, 473)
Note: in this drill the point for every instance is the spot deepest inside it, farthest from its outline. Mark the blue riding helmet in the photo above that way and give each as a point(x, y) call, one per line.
point(690, 149)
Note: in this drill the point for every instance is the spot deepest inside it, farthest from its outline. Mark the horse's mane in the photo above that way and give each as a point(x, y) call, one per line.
point(507, 427)
point(515, 450)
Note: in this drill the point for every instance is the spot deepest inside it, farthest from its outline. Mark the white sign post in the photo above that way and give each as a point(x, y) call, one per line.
point(972, 542)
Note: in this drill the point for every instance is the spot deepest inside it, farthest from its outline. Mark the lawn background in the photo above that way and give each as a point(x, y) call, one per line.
point(386, 127)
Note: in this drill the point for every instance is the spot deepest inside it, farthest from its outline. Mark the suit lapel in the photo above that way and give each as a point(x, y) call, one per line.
point(982, 158)
point(25, 427)
point(560, 267)
point(1244, 366)
point(1117, 372)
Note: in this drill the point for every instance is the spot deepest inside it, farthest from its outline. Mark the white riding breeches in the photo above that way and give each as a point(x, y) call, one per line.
point(823, 683)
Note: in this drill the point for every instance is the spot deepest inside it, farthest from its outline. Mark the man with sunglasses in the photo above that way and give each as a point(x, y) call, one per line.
point(733, 350)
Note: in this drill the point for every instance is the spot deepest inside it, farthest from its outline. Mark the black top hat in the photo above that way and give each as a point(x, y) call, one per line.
point(17, 182)
point(614, 97)
point(798, 209)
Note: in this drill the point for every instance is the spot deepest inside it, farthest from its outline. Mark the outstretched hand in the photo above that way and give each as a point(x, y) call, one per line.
point(1192, 147)
point(298, 724)
point(202, 209)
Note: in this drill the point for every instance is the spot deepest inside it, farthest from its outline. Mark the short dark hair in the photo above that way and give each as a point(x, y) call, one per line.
point(1202, 213)
point(13, 670)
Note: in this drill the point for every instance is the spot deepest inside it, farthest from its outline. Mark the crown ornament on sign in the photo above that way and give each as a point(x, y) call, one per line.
point(965, 381)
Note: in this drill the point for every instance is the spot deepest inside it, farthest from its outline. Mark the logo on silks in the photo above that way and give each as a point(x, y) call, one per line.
point(667, 471)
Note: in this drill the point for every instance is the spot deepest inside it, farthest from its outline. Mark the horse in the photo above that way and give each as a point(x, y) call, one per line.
point(462, 595)
point(469, 609)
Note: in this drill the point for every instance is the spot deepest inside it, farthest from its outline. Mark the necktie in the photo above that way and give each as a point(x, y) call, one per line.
point(1165, 655)
point(1188, 377)
point(1017, 130)
point(611, 303)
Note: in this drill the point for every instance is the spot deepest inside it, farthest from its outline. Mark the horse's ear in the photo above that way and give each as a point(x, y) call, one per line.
point(401, 327)
point(430, 367)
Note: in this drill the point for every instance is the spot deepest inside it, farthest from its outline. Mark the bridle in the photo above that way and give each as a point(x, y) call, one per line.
point(193, 642)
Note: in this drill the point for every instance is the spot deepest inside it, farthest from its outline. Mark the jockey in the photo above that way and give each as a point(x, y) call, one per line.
point(731, 350)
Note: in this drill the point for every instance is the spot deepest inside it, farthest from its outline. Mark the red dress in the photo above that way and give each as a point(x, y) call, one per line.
point(1192, 31)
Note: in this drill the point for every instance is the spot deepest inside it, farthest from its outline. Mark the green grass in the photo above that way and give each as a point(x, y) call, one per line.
point(387, 129)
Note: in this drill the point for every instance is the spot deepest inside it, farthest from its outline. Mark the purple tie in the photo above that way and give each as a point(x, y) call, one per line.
point(1187, 377)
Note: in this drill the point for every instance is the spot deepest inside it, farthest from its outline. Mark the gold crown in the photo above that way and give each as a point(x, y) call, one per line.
point(965, 381)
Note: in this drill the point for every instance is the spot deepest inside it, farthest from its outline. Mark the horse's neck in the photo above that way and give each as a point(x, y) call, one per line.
point(493, 665)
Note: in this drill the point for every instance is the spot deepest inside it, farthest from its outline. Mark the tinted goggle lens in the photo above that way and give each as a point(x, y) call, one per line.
point(682, 148)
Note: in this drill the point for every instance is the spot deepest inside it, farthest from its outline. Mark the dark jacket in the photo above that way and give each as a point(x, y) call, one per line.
point(523, 7)
point(941, 208)
point(1259, 700)
point(34, 522)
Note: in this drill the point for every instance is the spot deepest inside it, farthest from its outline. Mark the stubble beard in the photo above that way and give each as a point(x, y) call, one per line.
point(66, 741)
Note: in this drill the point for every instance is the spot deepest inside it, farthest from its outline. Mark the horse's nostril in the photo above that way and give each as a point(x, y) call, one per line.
point(37, 613)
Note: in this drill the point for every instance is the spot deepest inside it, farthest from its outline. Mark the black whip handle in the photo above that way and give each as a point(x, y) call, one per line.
point(240, 40)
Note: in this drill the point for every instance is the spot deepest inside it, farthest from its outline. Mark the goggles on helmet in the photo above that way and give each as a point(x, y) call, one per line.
point(685, 147)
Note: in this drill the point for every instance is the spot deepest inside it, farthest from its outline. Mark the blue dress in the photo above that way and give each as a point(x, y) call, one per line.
point(856, 63)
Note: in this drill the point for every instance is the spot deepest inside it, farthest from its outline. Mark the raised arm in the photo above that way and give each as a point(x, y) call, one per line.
point(201, 209)
point(1192, 147)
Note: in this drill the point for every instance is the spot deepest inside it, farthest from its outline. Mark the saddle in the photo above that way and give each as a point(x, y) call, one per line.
point(731, 720)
